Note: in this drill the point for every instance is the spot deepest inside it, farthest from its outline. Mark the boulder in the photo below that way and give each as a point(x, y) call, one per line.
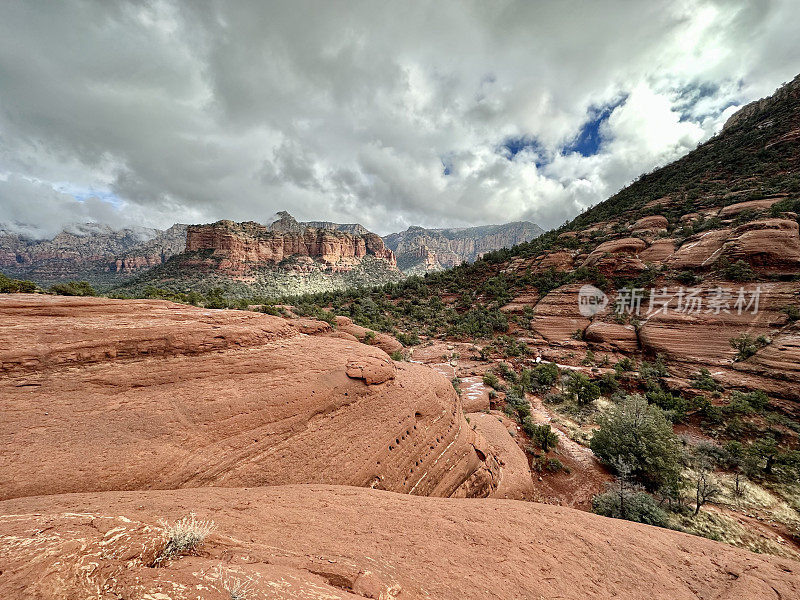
point(515, 479)
point(384, 341)
point(726, 212)
point(652, 224)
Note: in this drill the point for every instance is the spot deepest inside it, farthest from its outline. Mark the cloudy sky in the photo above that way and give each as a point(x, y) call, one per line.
point(386, 113)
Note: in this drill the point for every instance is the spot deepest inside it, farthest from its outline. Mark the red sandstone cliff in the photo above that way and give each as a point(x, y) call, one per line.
point(249, 244)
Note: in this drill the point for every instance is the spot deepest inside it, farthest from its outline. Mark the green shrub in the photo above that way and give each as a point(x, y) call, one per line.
point(739, 271)
point(73, 288)
point(624, 364)
point(746, 346)
point(792, 313)
point(746, 403)
point(674, 406)
point(639, 435)
point(702, 380)
point(581, 388)
point(541, 435)
point(654, 370)
point(541, 377)
point(517, 408)
point(491, 380)
point(639, 507)
point(16, 286)
point(554, 398)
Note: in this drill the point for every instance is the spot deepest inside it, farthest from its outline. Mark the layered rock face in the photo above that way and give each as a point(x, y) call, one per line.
point(89, 251)
point(344, 543)
point(243, 246)
point(423, 250)
point(130, 395)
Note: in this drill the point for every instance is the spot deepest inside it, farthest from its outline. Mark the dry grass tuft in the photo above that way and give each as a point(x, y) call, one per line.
point(182, 537)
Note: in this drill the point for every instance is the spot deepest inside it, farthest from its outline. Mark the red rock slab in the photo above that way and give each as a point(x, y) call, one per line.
point(345, 543)
point(514, 478)
point(291, 408)
point(769, 246)
point(659, 251)
point(560, 261)
point(556, 315)
point(526, 299)
point(704, 338)
point(613, 335)
point(385, 342)
point(700, 250)
point(40, 332)
point(652, 223)
point(732, 210)
point(627, 246)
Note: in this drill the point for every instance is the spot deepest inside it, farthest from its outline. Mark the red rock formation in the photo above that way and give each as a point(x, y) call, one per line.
point(659, 251)
point(618, 257)
point(613, 335)
point(769, 246)
point(382, 340)
point(653, 224)
point(101, 394)
point(726, 212)
point(700, 250)
point(242, 246)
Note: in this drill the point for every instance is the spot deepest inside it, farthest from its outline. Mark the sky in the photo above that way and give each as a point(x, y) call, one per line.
point(390, 114)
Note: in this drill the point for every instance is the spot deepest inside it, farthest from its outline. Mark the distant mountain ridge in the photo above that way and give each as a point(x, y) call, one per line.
point(108, 257)
point(90, 251)
point(421, 250)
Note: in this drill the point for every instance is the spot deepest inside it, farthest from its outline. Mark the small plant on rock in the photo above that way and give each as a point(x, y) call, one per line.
point(183, 537)
point(746, 346)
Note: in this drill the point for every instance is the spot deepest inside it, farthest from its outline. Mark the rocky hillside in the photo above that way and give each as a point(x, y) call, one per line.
point(285, 257)
point(93, 252)
point(422, 250)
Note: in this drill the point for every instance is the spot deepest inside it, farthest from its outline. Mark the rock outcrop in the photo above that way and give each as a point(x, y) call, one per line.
point(129, 395)
point(241, 247)
point(421, 250)
point(341, 543)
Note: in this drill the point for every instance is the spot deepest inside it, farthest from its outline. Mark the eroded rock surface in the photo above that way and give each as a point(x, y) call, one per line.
point(103, 394)
point(348, 543)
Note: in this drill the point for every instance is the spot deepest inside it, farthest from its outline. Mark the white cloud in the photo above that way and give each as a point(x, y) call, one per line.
point(185, 111)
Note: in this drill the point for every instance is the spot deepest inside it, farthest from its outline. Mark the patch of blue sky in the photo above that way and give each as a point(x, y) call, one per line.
point(589, 139)
point(83, 193)
point(529, 147)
